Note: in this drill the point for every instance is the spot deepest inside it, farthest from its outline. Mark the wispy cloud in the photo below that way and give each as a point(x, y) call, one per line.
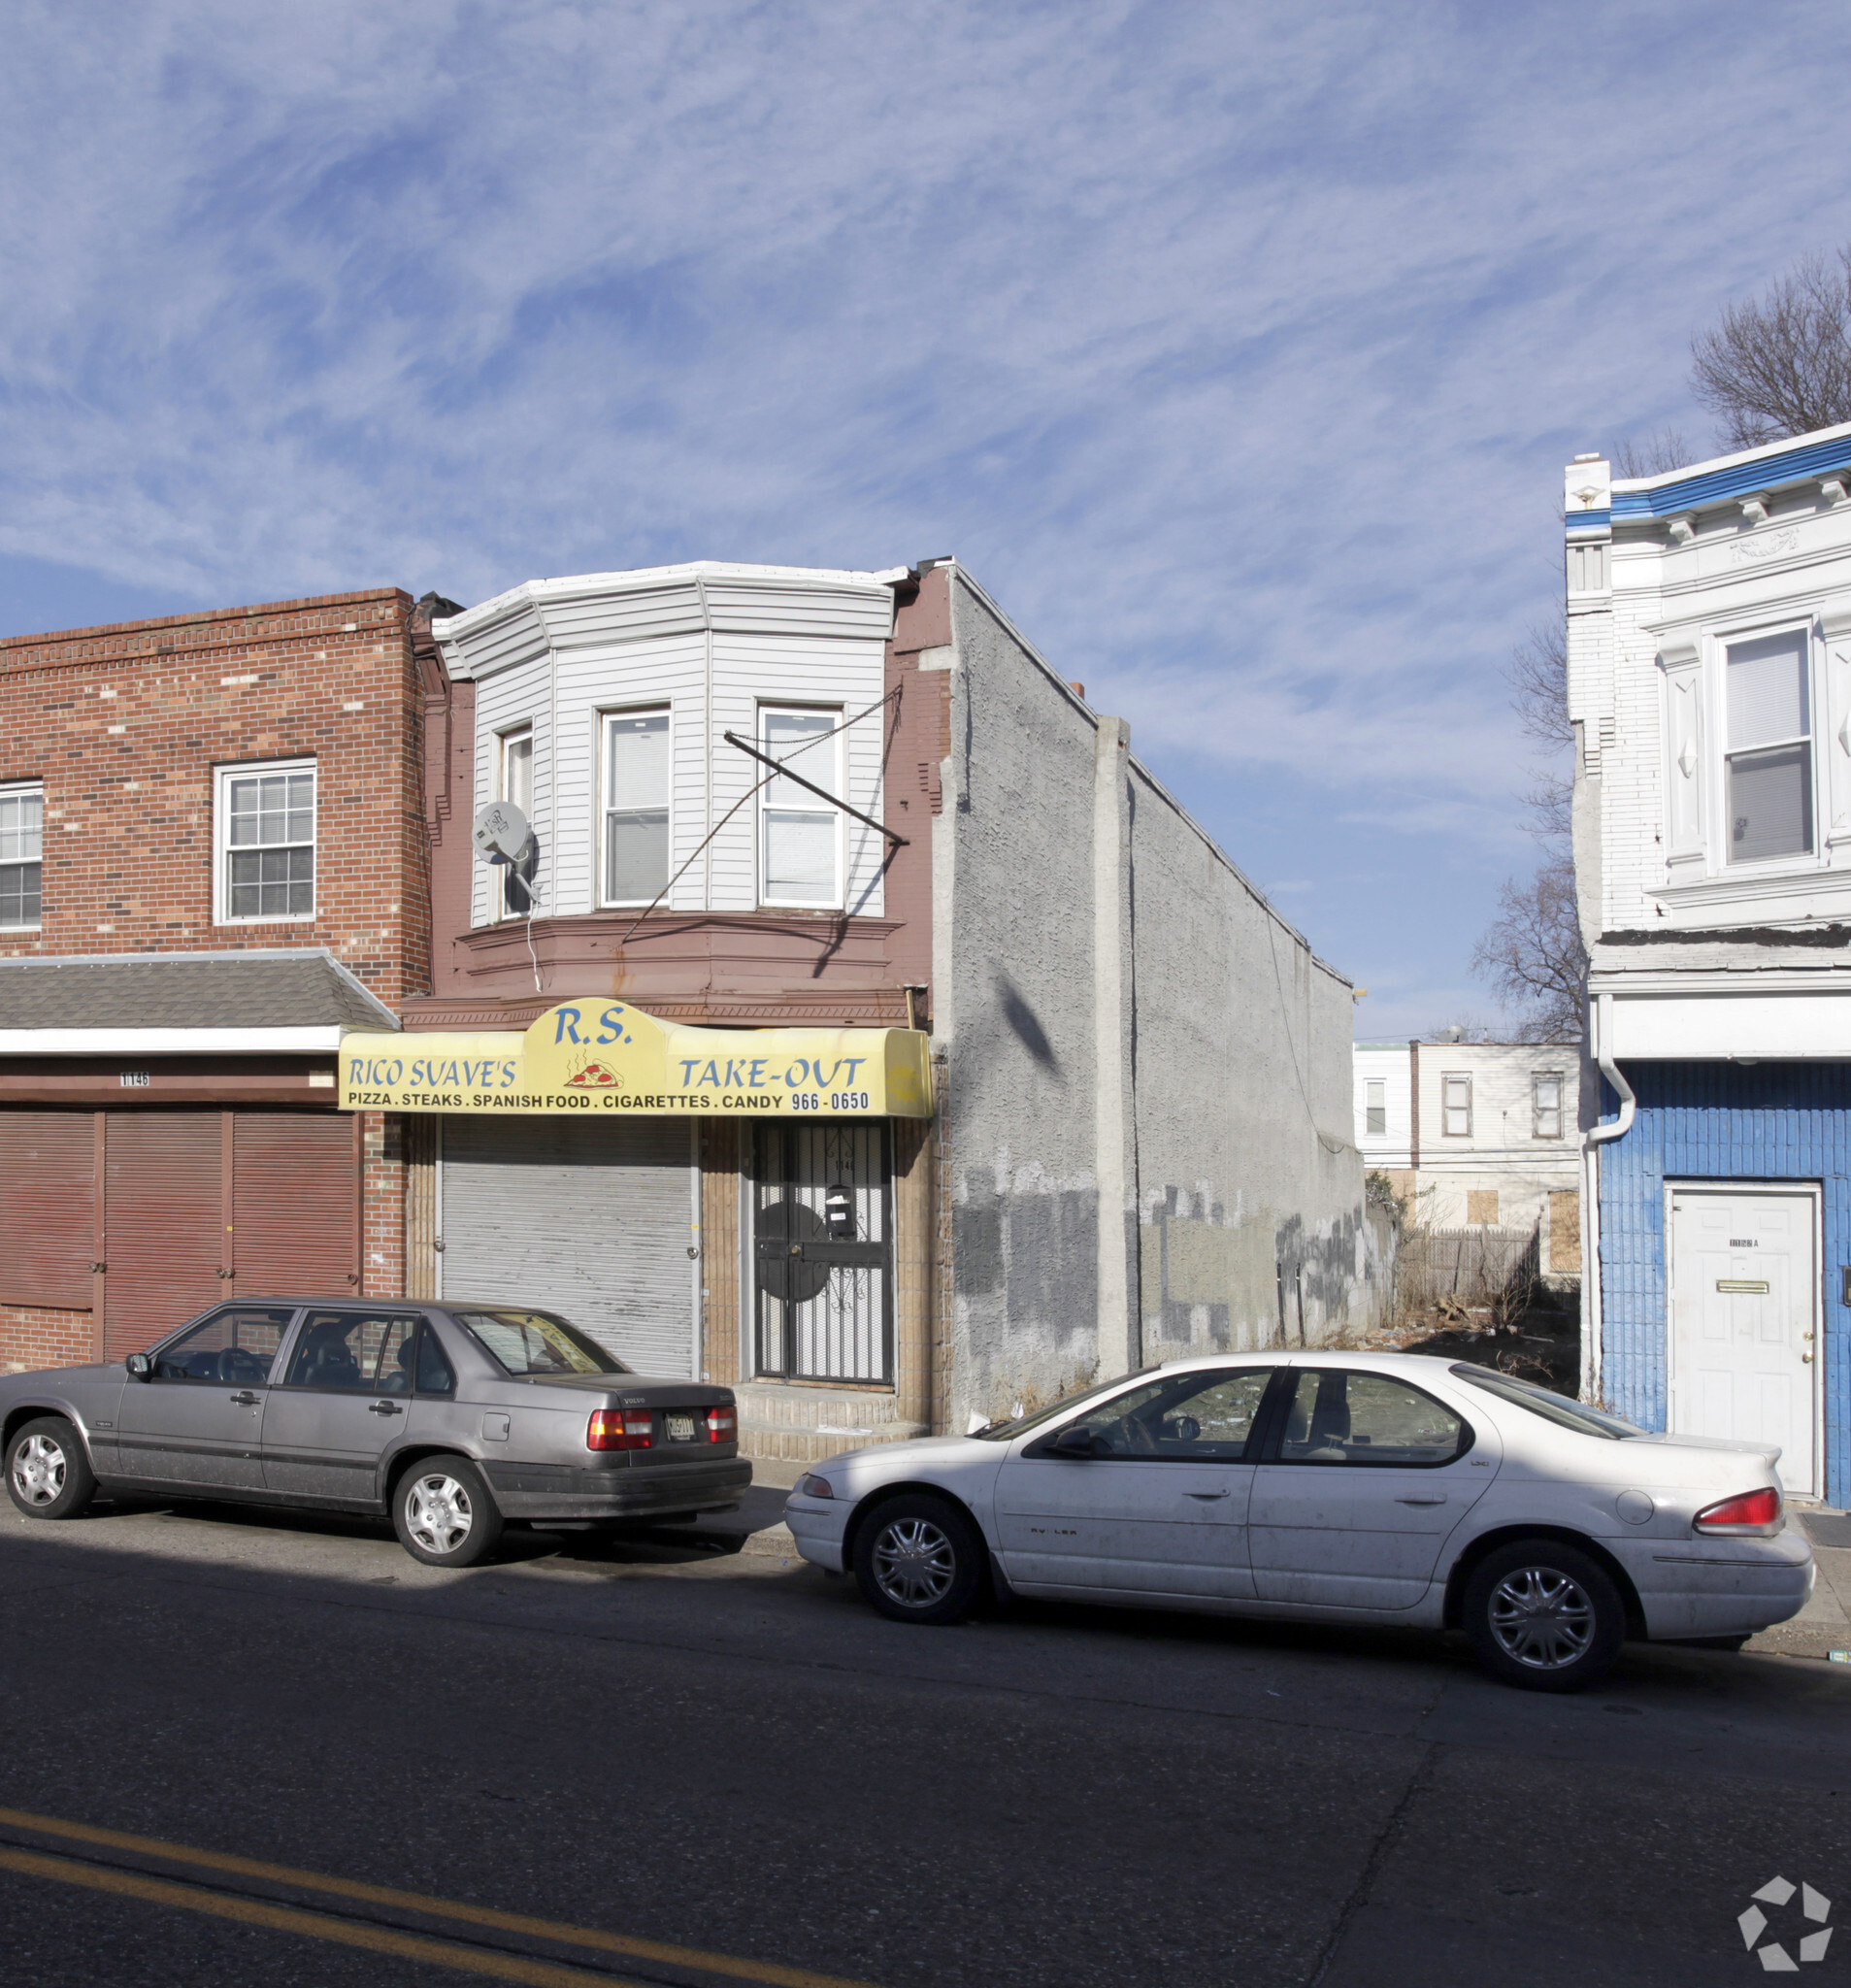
point(1236, 347)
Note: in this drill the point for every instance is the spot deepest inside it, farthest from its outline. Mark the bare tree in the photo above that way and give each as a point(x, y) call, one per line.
point(1781, 366)
point(1653, 454)
point(1532, 954)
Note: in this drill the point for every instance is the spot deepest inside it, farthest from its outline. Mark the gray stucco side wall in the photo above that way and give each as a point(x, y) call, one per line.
point(1020, 1072)
point(1239, 1196)
point(1252, 1229)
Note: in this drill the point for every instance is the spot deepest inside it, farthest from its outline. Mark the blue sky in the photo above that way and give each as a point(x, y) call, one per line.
point(1235, 349)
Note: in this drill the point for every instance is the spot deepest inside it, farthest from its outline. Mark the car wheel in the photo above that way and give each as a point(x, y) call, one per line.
point(444, 1513)
point(48, 1475)
point(918, 1559)
point(1544, 1617)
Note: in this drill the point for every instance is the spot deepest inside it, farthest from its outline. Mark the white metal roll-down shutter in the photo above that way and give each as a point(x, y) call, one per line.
point(591, 1220)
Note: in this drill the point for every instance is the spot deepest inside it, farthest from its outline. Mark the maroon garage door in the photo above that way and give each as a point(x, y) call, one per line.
point(194, 1206)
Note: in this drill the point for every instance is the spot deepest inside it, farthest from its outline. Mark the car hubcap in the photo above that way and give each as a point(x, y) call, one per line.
point(38, 1471)
point(1541, 1618)
point(438, 1514)
point(914, 1563)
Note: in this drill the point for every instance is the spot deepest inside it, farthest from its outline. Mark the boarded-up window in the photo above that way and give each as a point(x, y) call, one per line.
point(1565, 1233)
point(1481, 1205)
point(50, 1209)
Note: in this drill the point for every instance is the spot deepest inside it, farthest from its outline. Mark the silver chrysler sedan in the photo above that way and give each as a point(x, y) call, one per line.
point(1330, 1487)
point(451, 1418)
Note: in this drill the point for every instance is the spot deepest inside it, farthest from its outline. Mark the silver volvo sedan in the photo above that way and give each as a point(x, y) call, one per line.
point(451, 1418)
point(1330, 1486)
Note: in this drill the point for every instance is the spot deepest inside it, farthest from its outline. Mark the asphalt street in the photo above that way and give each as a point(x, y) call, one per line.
point(241, 1748)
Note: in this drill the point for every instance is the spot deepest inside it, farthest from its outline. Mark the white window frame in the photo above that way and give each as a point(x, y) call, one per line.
point(1447, 1079)
point(1693, 660)
point(223, 779)
point(833, 780)
point(1375, 1104)
point(500, 872)
point(600, 856)
point(18, 790)
point(1538, 1077)
point(1722, 639)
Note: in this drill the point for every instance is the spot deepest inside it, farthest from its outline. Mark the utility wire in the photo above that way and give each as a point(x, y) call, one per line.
point(748, 795)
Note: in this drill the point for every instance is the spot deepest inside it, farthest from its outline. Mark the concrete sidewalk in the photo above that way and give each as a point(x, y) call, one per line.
point(1823, 1624)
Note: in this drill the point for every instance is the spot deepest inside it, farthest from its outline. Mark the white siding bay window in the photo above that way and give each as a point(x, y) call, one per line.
point(514, 782)
point(800, 834)
point(637, 782)
point(265, 829)
point(22, 852)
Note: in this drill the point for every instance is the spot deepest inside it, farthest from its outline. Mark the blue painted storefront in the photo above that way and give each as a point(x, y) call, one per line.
point(1720, 1121)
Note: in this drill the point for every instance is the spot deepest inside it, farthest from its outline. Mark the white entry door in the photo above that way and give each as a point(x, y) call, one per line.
point(1743, 1303)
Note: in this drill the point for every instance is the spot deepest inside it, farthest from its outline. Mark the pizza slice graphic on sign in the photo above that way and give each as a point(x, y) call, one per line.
point(595, 1073)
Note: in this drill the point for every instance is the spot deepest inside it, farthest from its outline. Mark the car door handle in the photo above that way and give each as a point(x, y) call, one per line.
point(383, 1409)
point(1440, 1500)
point(1204, 1494)
point(246, 1398)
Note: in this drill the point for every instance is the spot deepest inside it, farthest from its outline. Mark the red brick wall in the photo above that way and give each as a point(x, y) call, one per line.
point(32, 1336)
point(382, 1184)
point(125, 725)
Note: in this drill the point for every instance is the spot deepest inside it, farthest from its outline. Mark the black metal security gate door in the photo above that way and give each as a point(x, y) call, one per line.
point(822, 1244)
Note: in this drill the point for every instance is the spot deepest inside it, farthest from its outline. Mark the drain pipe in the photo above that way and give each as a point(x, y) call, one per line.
point(1598, 1135)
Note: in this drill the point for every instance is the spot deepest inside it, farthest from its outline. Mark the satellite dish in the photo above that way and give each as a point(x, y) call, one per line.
point(502, 834)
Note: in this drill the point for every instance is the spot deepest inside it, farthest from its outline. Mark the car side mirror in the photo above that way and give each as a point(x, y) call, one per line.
point(1076, 1442)
point(141, 1366)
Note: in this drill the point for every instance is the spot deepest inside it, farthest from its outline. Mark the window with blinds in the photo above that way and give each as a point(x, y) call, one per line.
point(638, 770)
point(800, 833)
point(1769, 759)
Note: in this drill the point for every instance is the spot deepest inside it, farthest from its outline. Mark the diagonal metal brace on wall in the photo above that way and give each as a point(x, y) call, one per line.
point(784, 772)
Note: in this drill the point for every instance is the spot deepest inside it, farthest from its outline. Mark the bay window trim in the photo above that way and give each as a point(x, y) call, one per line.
point(831, 777)
point(609, 717)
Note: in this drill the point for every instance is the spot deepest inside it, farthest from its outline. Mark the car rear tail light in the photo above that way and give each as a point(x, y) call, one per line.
point(1753, 1512)
point(722, 1425)
point(620, 1429)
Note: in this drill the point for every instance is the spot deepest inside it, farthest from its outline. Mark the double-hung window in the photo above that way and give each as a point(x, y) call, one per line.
point(21, 856)
point(1545, 1092)
point(1375, 1106)
point(800, 834)
point(514, 783)
point(1769, 752)
point(266, 841)
point(1456, 1104)
point(638, 772)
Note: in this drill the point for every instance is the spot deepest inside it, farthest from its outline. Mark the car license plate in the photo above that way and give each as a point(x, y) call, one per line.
point(681, 1428)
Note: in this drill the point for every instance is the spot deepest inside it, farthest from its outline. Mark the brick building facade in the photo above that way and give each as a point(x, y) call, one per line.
point(213, 859)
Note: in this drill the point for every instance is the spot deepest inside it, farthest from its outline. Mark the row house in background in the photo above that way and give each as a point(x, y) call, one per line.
point(1479, 1135)
point(810, 1036)
point(1710, 687)
point(212, 866)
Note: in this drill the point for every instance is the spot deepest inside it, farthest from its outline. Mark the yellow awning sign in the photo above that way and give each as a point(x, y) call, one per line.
point(591, 1056)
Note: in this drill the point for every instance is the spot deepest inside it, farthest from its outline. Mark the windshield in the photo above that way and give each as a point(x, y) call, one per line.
point(537, 1342)
point(1550, 1405)
point(1006, 1428)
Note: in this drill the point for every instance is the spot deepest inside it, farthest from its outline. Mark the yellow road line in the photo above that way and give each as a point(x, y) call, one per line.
point(769, 1971)
point(409, 1946)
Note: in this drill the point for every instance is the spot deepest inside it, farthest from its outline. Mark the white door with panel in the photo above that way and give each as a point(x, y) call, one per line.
point(1744, 1320)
